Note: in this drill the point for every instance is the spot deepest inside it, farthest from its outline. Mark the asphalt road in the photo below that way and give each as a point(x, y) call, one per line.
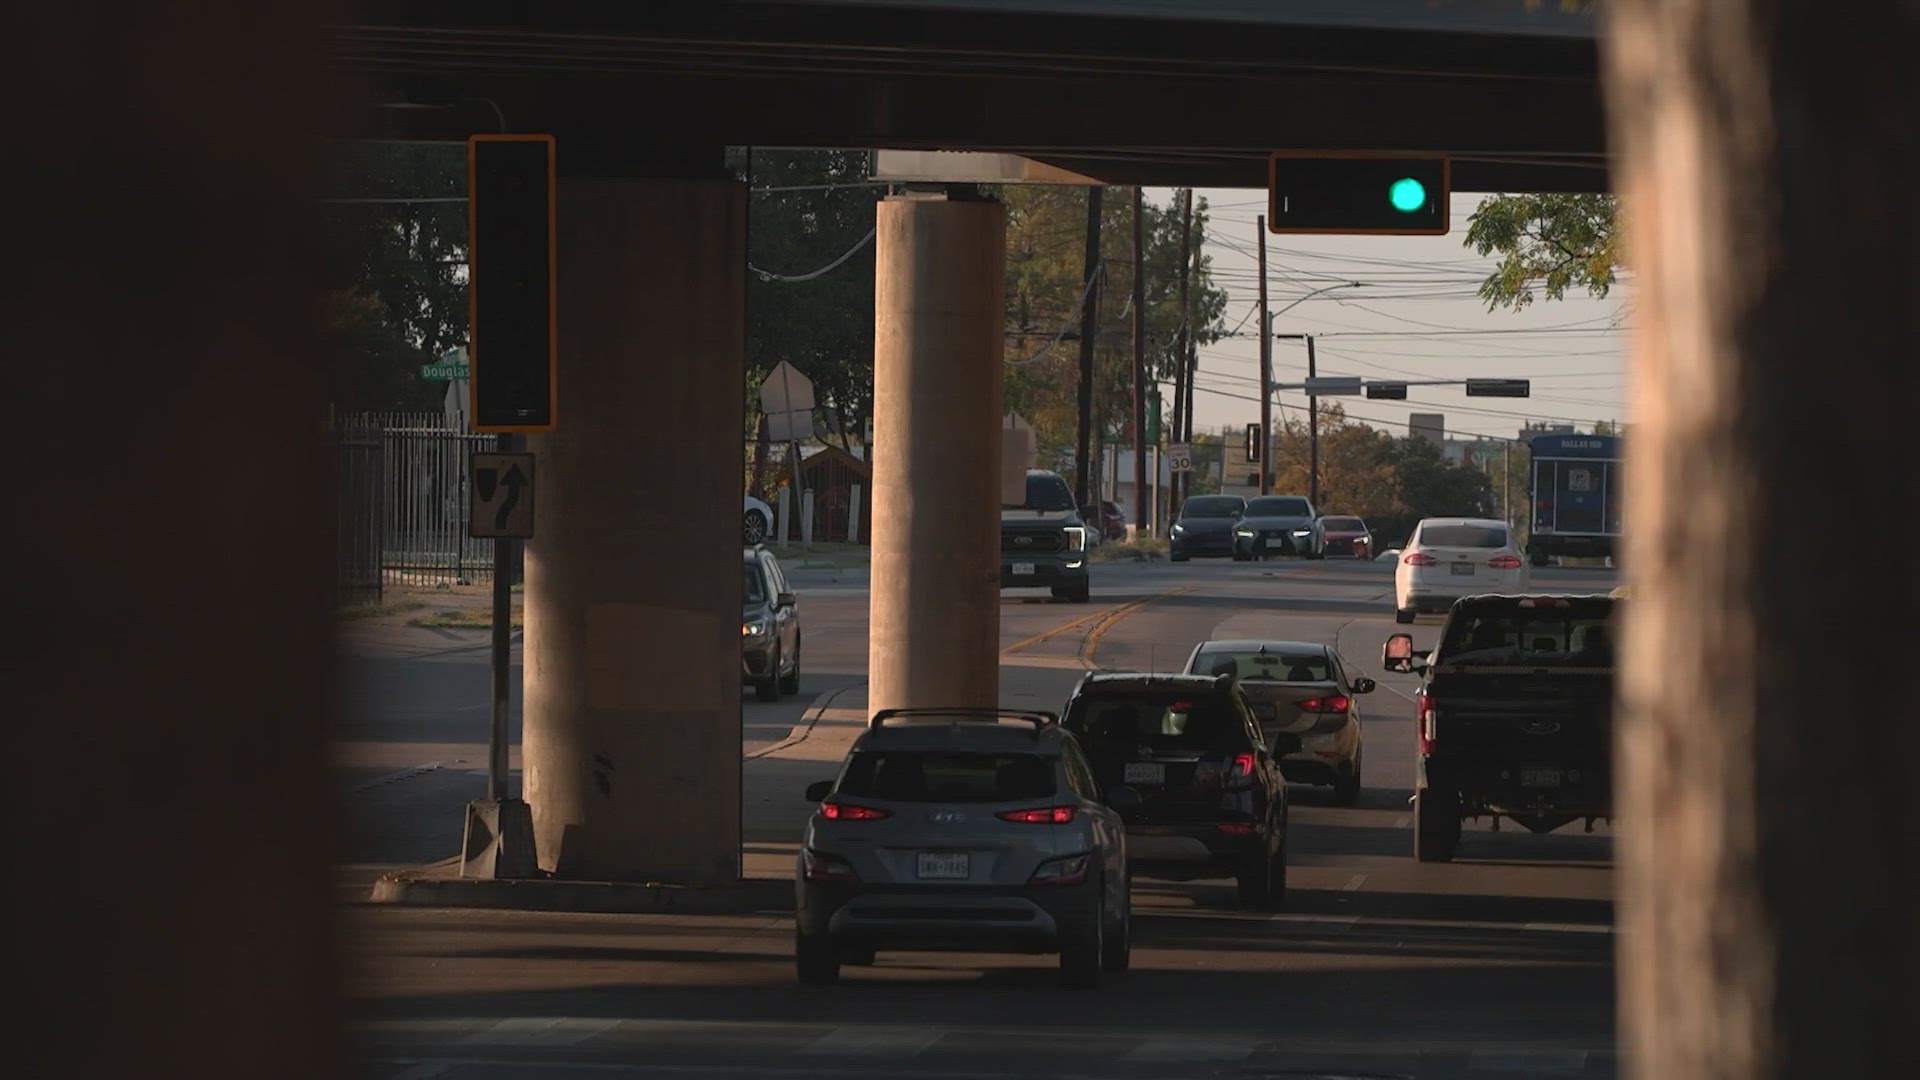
point(1499, 964)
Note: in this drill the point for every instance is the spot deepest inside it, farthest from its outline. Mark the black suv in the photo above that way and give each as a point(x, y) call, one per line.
point(1043, 541)
point(1212, 801)
point(1514, 718)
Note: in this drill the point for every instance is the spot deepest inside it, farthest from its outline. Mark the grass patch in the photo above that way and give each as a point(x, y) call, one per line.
point(1139, 549)
point(458, 619)
point(367, 609)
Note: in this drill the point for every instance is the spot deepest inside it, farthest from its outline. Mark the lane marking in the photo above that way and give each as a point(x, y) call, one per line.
point(1353, 883)
point(1402, 821)
point(403, 774)
point(1170, 1051)
point(540, 1031)
point(1532, 1062)
point(1092, 644)
point(875, 1041)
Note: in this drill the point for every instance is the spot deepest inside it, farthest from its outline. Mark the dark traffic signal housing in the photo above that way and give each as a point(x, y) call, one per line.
point(1356, 193)
point(510, 281)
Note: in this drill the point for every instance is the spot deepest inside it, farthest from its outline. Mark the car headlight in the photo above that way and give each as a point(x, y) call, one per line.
point(1178, 528)
point(1303, 532)
point(1243, 532)
point(1076, 538)
point(753, 629)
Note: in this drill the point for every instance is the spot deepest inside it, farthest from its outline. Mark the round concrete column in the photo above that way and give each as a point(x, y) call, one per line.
point(939, 286)
point(632, 720)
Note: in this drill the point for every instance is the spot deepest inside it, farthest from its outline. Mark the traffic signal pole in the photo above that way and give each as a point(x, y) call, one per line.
point(1266, 369)
point(1313, 433)
point(1140, 520)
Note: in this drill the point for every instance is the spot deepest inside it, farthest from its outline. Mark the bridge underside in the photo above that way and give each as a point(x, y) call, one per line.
point(1125, 100)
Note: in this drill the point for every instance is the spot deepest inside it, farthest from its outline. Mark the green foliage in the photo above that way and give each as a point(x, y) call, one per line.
point(1545, 242)
point(824, 326)
point(1046, 237)
point(397, 294)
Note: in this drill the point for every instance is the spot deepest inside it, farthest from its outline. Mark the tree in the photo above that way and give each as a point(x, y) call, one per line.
point(1546, 242)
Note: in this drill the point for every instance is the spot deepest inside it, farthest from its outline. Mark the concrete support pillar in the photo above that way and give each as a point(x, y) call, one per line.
point(632, 723)
point(939, 281)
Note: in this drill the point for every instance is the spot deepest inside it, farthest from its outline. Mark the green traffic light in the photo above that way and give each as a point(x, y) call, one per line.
point(1407, 195)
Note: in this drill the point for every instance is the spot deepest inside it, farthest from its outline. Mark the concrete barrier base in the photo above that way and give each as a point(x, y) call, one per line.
point(442, 886)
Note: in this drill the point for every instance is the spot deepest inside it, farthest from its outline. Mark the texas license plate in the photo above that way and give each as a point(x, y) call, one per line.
point(1539, 777)
point(1023, 569)
point(1463, 569)
point(946, 866)
point(1146, 772)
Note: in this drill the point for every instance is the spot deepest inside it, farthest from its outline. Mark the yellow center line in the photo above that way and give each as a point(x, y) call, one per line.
point(1092, 644)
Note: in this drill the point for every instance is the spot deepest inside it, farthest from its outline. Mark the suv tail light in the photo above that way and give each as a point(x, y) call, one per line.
point(1071, 870)
point(1504, 562)
point(1419, 558)
point(1235, 828)
point(819, 866)
point(1044, 815)
point(840, 811)
point(1333, 703)
point(1426, 722)
point(1243, 764)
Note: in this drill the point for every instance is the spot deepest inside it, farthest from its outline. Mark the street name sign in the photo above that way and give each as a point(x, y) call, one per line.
point(1499, 388)
point(500, 495)
point(443, 371)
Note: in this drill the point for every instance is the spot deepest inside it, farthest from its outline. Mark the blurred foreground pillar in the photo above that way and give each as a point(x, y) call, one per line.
point(170, 513)
point(631, 728)
point(939, 283)
point(1770, 832)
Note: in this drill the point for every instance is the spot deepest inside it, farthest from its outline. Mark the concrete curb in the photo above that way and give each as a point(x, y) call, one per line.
point(436, 888)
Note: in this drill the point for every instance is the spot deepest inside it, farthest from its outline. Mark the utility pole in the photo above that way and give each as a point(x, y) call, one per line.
point(1182, 398)
point(1140, 519)
point(1089, 310)
point(1266, 368)
point(1313, 433)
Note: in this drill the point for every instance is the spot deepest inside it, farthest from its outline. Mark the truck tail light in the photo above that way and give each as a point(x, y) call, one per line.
point(1426, 722)
point(1419, 558)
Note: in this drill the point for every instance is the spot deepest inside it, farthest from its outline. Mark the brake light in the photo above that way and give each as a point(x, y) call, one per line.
point(1426, 723)
point(839, 811)
point(1243, 765)
point(1235, 828)
point(1180, 707)
point(1335, 703)
point(1504, 562)
point(1419, 558)
point(818, 866)
point(1045, 815)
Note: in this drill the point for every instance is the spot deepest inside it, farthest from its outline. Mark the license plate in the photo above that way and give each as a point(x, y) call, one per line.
point(1146, 772)
point(943, 865)
point(1463, 569)
point(1022, 569)
point(1539, 777)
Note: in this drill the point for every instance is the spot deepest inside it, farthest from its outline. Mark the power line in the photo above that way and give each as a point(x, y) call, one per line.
point(767, 275)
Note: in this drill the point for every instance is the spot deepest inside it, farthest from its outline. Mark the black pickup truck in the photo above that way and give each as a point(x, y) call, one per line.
point(1514, 716)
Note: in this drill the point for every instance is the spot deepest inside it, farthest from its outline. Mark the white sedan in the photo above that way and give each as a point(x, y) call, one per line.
point(1449, 558)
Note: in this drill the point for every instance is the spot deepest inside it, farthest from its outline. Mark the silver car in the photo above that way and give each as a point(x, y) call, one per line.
point(964, 830)
point(1298, 688)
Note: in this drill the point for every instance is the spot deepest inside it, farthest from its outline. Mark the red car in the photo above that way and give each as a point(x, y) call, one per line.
point(1345, 536)
point(1111, 522)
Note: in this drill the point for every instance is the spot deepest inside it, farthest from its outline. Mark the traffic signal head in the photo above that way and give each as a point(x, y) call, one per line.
point(1358, 193)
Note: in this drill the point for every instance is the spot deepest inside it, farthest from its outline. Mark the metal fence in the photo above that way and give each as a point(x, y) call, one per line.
point(404, 482)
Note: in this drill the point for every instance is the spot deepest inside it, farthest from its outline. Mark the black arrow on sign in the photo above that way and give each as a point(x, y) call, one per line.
point(512, 481)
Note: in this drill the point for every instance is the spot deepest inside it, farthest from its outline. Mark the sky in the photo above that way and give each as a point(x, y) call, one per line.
point(1415, 315)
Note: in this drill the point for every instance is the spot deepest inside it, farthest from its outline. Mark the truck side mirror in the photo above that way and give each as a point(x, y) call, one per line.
point(1397, 653)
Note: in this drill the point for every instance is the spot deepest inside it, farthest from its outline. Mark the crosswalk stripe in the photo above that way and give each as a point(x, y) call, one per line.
point(875, 1041)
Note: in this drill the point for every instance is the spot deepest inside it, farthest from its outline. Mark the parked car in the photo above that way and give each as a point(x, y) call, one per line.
point(756, 522)
point(769, 627)
point(948, 830)
point(1347, 536)
point(1110, 520)
point(1448, 558)
point(1043, 541)
point(1210, 800)
point(1277, 525)
point(1299, 689)
point(1514, 716)
point(1205, 526)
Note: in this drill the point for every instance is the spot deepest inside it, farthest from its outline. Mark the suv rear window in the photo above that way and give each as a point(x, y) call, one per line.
point(1160, 720)
point(1466, 536)
point(947, 776)
point(1532, 639)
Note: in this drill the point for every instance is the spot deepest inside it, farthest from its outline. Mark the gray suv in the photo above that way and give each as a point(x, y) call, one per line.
point(975, 830)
